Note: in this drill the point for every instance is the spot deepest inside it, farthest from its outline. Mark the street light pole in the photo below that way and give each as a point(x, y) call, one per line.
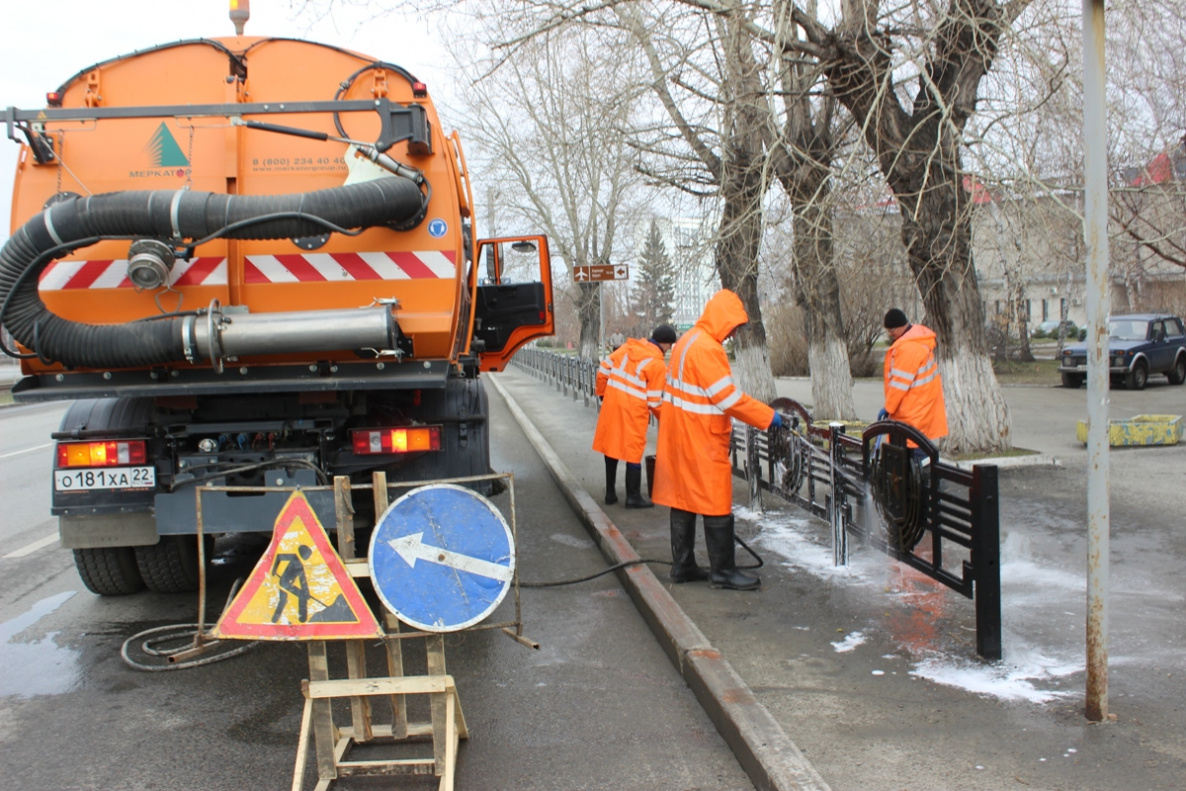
point(1095, 230)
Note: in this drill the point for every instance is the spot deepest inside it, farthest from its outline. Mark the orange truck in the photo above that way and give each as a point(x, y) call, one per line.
point(249, 261)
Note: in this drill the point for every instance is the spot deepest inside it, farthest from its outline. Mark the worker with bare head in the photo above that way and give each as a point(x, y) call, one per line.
point(630, 384)
point(692, 470)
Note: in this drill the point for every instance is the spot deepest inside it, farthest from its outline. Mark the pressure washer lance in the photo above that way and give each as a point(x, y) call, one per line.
point(368, 150)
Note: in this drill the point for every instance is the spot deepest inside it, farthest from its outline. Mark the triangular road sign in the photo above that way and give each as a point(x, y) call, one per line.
point(299, 590)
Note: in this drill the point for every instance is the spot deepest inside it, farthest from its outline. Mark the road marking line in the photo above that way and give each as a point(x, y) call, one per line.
point(27, 450)
point(29, 549)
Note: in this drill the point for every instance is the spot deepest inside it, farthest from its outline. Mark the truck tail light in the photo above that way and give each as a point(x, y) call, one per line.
point(370, 441)
point(109, 453)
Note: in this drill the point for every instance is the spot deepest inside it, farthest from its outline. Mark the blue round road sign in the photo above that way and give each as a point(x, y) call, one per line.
point(442, 558)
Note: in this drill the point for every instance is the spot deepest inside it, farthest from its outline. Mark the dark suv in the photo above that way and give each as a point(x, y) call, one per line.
point(1139, 344)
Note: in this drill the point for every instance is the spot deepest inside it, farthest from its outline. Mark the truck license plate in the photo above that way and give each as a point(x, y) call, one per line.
point(105, 478)
point(1081, 367)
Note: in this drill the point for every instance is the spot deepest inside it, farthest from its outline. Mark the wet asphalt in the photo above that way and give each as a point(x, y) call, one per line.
point(870, 671)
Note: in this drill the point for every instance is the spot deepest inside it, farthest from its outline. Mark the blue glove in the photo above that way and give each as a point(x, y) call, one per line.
point(883, 415)
point(777, 422)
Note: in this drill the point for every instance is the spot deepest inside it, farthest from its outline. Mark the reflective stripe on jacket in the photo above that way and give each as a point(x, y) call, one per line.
point(913, 387)
point(631, 380)
point(692, 469)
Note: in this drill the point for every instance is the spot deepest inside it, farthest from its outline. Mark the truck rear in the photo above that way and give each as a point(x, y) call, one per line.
point(249, 261)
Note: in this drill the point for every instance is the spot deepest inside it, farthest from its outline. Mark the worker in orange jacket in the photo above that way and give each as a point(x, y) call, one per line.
point(693, 474)
point(630, 384)
point(913, 388)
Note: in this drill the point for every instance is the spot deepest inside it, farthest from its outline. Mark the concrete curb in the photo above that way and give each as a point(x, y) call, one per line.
point(1034, 460)
point(772, 761)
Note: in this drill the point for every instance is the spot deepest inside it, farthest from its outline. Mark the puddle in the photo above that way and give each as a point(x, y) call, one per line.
point(36, 668)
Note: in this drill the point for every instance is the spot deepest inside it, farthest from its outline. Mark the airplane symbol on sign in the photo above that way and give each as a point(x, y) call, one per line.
point(581, 273)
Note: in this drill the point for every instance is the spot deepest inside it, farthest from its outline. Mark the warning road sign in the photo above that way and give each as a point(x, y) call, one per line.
point(299, 590)
point(442, 558)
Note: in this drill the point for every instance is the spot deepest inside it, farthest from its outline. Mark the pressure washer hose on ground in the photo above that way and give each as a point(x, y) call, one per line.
point(629, 563)
point(163, 643)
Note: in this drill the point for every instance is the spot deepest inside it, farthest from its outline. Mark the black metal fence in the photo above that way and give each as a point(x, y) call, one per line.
point(568, 372)
point(886, 488)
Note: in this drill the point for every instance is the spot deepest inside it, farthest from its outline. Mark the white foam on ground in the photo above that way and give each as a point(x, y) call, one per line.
point(1028, 672)
point(850, 642)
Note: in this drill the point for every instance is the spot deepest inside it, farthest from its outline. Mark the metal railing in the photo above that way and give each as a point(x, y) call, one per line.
point(572, 375)
point(874, 488)
point(888, 489)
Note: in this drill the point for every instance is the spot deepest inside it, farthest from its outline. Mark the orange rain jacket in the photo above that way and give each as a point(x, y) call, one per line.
point(692, 469)
point(631, 379)
point(913, 388)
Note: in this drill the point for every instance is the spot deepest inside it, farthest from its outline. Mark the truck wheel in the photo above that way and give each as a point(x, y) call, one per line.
point(1177, 374)
point(1138, 376)
point(108, 571)
point(171, 566)
point(1073, 381)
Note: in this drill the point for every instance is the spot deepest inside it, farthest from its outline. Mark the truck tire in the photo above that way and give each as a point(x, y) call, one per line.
point(109, 571)
point(171, 566)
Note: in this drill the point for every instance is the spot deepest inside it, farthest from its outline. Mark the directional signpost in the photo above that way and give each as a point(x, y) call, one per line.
point(442, 558)
point(600, 272)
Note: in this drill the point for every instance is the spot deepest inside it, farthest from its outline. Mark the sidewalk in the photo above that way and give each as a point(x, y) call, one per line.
point(865, 678)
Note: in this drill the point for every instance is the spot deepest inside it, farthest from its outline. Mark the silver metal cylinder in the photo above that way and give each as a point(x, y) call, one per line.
point(248, 334)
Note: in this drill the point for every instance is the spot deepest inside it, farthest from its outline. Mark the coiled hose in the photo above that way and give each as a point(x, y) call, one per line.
point(173, 215)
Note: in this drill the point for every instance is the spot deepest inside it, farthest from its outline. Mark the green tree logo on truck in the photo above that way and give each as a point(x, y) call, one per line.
point(164, 150)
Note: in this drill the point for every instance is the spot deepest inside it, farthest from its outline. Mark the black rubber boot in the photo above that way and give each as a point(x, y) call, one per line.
point(718, 537)
point(611, 477)
point(683, 548)
point(634, 498)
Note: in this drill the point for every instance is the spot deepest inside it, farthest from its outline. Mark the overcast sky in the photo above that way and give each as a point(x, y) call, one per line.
point(48, 41)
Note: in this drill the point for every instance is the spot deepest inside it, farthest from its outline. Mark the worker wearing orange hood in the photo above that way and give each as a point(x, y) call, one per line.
point(693, 474)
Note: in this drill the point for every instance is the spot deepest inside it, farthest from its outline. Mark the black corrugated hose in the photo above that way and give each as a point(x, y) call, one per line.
point(173, 215)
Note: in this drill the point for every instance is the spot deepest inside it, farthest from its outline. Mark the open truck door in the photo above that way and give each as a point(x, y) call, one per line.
point(513, 297)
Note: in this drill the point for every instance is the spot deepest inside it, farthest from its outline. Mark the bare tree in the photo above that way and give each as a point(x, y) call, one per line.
point(547, 125)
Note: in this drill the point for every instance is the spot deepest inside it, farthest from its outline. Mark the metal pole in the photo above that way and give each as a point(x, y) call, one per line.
point(1095, 231)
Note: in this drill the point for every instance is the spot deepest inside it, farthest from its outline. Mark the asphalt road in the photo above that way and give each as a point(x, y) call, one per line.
point(598, 706)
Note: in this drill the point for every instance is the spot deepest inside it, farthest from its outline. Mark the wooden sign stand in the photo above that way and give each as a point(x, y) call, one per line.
point(333, 744)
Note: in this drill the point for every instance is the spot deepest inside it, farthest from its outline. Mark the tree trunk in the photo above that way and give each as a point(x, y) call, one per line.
point(937, 234)
point(817, 292)
point(589, 312)
point(736, 260)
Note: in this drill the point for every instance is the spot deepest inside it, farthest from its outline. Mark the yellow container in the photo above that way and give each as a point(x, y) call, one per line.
point(1139, 430)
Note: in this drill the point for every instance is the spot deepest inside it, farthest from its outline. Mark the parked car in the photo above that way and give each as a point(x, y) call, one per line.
point(1049, 329)
point(1139, 344)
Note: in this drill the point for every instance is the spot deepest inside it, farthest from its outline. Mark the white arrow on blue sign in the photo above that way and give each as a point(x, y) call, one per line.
point(442, 558)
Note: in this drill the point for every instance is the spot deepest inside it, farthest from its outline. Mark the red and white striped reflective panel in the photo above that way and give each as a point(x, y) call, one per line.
point(337, 267)
point(67, 275)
